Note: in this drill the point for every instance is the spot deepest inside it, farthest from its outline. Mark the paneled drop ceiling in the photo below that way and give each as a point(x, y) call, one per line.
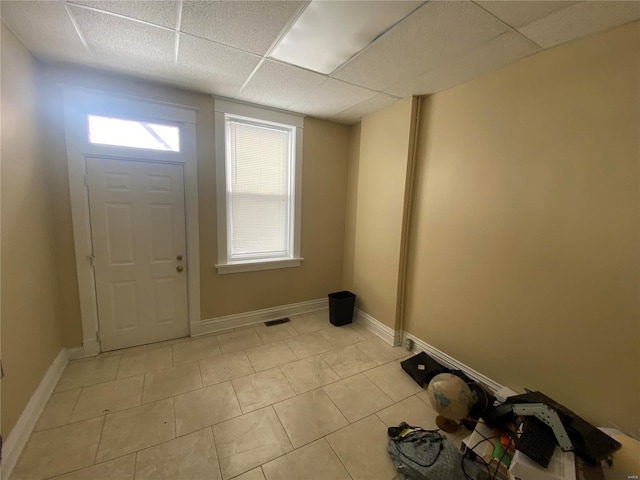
point(223, 47)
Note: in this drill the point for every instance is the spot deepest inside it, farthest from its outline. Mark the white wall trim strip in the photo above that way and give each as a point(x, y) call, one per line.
point(237, 320)
point(450, 362)
point(19, 436)
point(377, 327)
point(398, 337)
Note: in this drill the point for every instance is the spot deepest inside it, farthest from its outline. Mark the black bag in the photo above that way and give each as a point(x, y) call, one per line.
point(419, 454)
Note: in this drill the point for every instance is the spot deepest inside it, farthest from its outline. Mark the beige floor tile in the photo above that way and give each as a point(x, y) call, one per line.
point(59, 450)
point(173, 341)
point(410, 410)
point(137, 428)
point(238, 340)
point(122, 351)
point(104, 398)
point(380, 351)
point(315, 461)
point(364, 460)
point(348, 361)
point(309, 374)
point(122, 468)
point(262, 389)
point(192, 457)
point(88, 372)
point(248, 441)
point(196, 349)
point(145, 360)
point(364, 331)
point(341, 336)
point(270, 355)
point(309, 416)
point(225, 367)
point(204, 407)
point(424, 396)
point(357, 397)
point(57, 411)
point(323, 315)
point(308, 322)
point(307, 345)
point(275, 332)
point(394, 381)
point(171, 381)
point(255, 474)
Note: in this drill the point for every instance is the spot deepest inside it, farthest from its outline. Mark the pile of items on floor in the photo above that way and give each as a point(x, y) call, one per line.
point(514, 436)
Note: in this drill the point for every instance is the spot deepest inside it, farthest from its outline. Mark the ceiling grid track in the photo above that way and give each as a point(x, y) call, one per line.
point(510, 27)
point(283, 32)
point(281, 54)
point(178, 22)
point(77, 27)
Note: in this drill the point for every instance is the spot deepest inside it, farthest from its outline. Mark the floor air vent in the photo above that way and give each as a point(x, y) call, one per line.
point(271, 323)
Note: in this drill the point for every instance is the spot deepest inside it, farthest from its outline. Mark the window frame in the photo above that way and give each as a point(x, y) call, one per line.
point(261, 116)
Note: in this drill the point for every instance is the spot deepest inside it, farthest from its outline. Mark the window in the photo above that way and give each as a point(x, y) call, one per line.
point(133, 133)
point(258, 161)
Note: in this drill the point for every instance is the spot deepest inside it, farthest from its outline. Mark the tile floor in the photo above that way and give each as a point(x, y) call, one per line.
point(301, 400)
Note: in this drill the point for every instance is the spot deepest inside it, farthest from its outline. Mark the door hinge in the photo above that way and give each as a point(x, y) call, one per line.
point(92, 260)
point(85, 179)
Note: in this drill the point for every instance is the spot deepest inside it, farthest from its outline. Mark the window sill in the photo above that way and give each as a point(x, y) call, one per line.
point(255, 265)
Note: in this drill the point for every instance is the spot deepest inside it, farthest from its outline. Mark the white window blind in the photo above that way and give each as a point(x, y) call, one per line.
point(259, 189)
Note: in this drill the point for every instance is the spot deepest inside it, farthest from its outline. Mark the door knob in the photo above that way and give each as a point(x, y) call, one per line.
point(179, 257)
point(179, 268)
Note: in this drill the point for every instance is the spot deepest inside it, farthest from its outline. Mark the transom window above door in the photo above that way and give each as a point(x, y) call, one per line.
point(123, 132)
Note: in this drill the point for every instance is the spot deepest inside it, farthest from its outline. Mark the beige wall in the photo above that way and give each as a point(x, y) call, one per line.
point(378, 173)
point(524, 244)
point(324, 176)
point(352, 206)
point(323, 203)
point(31, 334)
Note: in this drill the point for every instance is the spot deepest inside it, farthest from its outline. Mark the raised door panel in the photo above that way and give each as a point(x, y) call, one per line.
point(138, 233)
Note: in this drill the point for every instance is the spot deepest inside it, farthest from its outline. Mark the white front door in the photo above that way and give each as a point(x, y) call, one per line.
point(138, 233)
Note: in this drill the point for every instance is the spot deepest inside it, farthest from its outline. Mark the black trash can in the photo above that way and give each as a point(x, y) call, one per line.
point(341, 306)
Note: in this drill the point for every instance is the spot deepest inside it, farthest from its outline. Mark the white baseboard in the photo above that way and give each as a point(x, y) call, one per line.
point(398, 337)
point(450, 362)
point(237, 320)
point(20, 433)
point(78, 352)
point(387, 334)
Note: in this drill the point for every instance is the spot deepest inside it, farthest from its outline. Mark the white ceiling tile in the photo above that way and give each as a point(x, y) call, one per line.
point(159, 12)
point(355, 113)
point(279, 85)
point(579, 20)
point(435, 33)
point(331, 97)
point(522, 12)
point(46, 29)
point(497, 53)
point(248, 25)
point(213, 67)
point(125, 42)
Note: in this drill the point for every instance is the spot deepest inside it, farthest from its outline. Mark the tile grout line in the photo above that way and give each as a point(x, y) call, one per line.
point(334, 348)
point(215, 448)
point(75, 405)
point(95, 456)
point(336, 453)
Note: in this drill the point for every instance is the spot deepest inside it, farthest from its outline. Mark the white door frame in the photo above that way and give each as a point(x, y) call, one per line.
point(78, 103)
